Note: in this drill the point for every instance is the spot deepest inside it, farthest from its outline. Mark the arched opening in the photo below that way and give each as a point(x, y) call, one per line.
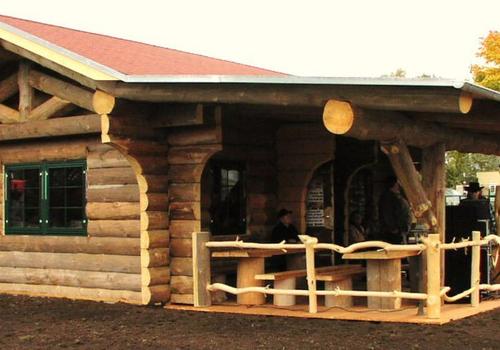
point(359, 201)
point(223, 196)
point(319, 203)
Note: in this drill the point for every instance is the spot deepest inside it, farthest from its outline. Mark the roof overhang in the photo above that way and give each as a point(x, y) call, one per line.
point(57, 54)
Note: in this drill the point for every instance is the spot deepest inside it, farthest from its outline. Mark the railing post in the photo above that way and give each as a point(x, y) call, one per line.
point(201, 269)
point(475, 272)
point(433, 276)
point(311, 271)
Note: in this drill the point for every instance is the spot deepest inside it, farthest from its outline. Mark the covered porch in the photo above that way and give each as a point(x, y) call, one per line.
point(278, 152)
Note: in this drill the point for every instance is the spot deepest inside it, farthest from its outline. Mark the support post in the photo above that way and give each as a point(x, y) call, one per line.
point(433, 276)
point(434, 183)
point(311, 272)
point(25, 91)
point(497, 208)
point(475, 272)
point(201, 269)
point(408, 177)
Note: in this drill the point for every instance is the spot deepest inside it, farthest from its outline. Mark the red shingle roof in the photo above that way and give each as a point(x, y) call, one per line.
point(131, 57)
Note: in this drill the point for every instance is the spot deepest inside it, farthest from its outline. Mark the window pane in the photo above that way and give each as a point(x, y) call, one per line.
point(66, 197)
point(31, 218)
point(32, 198)
point(223, 177)
point(57, 218)
point(74, 177)
point(57, 177)
point(32, 177)
point(75, 218)
point(233, 177)
point(74, 197)
point(56, 196)
point(23, 198)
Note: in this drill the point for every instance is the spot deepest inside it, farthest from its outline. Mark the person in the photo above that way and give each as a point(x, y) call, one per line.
point(394, 213)
point(357, 232)
point(482, 210)
point(284, 229)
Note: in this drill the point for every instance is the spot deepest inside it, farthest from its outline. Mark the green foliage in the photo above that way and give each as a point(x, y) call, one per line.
point(463, 167)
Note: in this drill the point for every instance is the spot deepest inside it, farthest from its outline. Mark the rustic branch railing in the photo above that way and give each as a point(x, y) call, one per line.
point(430, 245)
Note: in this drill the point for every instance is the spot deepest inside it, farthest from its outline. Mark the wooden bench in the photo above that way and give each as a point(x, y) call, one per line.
point(334, 276)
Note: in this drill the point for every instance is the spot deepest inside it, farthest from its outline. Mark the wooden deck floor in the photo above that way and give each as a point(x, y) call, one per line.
point(449, 312)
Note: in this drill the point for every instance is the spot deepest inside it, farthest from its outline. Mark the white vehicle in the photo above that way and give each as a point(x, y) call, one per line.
point(452, 196)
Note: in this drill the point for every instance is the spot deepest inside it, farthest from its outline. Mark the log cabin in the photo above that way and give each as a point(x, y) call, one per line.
point(114, 152)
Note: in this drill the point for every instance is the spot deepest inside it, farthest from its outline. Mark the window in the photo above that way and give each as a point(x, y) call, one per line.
point(228, 202)
point(45, 198)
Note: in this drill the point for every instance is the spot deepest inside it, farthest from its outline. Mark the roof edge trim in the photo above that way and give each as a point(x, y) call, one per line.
point(58, 54)
point(481, 91)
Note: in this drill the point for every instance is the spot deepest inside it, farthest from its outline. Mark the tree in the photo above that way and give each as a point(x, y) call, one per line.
point(398, 73)
point(462, 168)
point(489, 75)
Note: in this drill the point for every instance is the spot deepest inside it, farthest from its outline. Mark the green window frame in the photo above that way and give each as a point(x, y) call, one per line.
point(51, 204)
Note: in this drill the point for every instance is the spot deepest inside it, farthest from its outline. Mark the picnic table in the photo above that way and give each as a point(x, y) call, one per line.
point(383, 273)
point(250, 263)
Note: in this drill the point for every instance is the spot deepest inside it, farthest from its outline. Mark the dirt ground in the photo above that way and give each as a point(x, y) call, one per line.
point(42, 323)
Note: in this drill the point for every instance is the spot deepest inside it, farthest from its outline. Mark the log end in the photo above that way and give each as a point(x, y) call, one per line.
point(465, 102)
point(155, 294)
point(102, 102)
point(338, 116)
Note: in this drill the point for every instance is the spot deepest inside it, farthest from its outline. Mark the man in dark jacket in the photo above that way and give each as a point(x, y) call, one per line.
point(394, 213)
point(284, 229)
point(479, 207)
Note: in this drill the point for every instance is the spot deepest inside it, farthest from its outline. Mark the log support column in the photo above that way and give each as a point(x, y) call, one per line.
point(409, 179)
point(434, 182)
point(189, 151)
point(148, 158)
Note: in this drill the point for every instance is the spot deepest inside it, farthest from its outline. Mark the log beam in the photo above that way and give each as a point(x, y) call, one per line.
point(178, 115)
point(342, 118)
point(87, 124)
point(48, 108)
point(94, 101)
point(8, 87)
point(408, 177)
point(450, 100)
point(25, 91)
point(8, 115)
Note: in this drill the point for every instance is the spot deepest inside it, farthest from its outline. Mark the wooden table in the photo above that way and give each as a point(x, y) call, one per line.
point(250, 263)
point(383, 273)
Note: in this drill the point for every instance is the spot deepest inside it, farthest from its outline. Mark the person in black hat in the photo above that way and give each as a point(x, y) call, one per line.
point(284, 229)
point(480, 206)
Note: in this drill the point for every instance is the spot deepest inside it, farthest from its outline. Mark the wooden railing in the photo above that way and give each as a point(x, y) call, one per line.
point(430, 245)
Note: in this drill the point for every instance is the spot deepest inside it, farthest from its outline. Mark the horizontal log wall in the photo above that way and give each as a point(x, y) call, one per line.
point(247, 141)
point(189, 150)
point(147, 154)
point(301, 149)
point(106, 264)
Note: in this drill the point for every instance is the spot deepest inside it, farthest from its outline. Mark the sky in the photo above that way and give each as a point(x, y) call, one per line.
point(350, 38)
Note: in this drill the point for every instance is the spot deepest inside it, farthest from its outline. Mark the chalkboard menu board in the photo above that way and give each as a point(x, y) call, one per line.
point(315, 216)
